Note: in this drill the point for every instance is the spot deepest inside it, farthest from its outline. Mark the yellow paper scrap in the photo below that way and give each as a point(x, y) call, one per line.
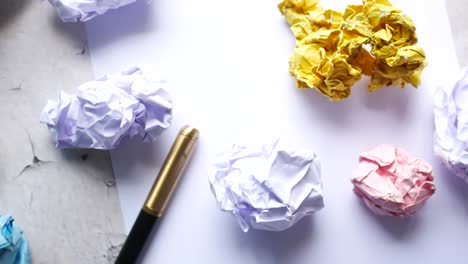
point(334, 49)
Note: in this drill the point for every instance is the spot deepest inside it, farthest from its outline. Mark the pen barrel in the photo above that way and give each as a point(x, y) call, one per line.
point(171, 171)
point(136, 238)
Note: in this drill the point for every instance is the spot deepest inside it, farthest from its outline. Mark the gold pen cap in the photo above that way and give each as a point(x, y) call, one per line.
point(171, 171)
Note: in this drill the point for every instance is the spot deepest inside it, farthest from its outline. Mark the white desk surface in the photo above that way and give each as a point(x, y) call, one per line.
point(227, 68)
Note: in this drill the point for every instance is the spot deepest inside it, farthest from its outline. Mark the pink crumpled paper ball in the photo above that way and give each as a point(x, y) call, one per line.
point(392, 182)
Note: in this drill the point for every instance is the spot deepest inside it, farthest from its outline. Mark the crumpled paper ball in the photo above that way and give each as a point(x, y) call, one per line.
point(392, 182)
point(84, 10)
point(451, 125)
point(334, 49)
point(105, 111)
point(267, 186)
point(13, 245)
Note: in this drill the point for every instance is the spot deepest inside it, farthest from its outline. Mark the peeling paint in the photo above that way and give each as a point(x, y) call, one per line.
point(17, 88)
point(82, 51)
point(84, 157)
point(31, 198)
point(36, 161)
point(113, 253)
point(110, 183)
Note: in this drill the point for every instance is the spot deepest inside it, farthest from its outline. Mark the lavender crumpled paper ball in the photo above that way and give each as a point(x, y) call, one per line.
point(105, 111)
point(13, 245)
point(84, 10)
point(451, 125)
point(267, 186)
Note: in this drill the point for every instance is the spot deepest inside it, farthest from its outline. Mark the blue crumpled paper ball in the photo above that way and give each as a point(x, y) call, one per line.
point(13, 245)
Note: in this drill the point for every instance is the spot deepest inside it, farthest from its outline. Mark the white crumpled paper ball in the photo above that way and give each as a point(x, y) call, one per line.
point(451, 125)
point(267, 186)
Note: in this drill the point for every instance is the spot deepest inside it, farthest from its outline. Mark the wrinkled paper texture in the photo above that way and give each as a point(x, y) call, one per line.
point(334, 49)
point(109, 109)
point(84, 10)
point(392, 182)
point(451, 125)
point(267, 186)
point(13, 245)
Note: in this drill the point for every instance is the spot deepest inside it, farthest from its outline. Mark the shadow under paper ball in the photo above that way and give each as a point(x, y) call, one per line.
point(73, 32)
point(390, 98)
point(126, 21)
point(91, 161)
point(338, 112)
point(114, 24)
point(277, 247)
point(389, 101)
point(457, 186)
point(398, 227)
point(10, 9)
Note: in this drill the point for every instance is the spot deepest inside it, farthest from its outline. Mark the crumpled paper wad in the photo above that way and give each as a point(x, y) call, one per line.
point(267, 186)
point(105, 111)
point(13, 245)
point(392, 182)
point(333, 49)
point(451, 125)
point(84, 10)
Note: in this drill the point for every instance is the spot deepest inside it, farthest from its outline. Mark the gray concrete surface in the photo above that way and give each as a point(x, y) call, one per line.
point(66, 201)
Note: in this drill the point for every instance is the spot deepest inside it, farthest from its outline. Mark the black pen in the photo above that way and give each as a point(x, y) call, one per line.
point(159, 195)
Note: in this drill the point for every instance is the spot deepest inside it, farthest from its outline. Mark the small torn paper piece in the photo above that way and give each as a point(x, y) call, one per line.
point(451, 125)
point(334, 49)
point(13, 245)
point(267, 186)
point(105, 111)
point(392, 182)
point(84, 10)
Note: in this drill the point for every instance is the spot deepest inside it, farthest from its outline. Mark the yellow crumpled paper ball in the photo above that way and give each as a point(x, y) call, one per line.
point(334, 49)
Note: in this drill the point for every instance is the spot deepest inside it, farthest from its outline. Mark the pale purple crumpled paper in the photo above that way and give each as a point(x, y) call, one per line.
point(84, 10)
point(105, 111)
point(267, 186)
point(451, 125)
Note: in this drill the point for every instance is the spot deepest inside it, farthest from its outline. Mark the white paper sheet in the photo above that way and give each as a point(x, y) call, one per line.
point(226, 64)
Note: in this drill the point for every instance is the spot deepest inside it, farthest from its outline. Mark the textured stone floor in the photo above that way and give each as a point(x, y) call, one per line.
point(66, 201)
